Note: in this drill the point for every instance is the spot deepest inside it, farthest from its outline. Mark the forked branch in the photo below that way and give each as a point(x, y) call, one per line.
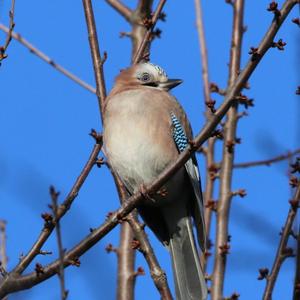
point(283, 251)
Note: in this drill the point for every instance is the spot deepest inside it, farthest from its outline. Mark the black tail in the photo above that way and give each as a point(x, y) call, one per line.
point(188, 275)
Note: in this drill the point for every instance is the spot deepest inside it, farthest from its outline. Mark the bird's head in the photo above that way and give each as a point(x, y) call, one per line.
point(147, 74)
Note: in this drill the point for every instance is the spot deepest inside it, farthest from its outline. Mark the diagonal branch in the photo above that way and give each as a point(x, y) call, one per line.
point(267, 162)
point(47, 59)
point(54, 197)
point(282, 251)
point(157, 274)
point(64, 207)
point(296, 293)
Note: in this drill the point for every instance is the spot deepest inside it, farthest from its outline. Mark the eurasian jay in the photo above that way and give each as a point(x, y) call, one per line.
point(145, 129)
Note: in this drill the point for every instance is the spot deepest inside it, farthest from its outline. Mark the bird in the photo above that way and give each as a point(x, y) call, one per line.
point(144, 130)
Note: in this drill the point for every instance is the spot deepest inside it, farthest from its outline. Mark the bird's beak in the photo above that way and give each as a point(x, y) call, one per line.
point(170, 84)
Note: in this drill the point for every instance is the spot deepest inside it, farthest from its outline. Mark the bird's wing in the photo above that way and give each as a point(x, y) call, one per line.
point(191, 167)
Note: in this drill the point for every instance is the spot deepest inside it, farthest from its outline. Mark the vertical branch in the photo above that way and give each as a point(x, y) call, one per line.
point(139, 16)
point(95, 53)
point(209, 187)
point(3, 260)
point(282, 252)
point(126, 254)
point(209, 191)
point(61, 274)
point(203, 49)
point(147, 37)
point(126, 262)
point(225, 195)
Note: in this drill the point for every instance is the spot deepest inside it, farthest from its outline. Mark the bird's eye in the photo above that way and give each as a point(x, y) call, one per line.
point(145, 77)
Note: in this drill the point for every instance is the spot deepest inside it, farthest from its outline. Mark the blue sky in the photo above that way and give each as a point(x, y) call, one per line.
point(45, 119)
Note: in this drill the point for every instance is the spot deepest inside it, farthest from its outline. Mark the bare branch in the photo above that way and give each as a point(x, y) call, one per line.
point(126, 254)
point(124, 265)
point(47, 59)
point(208, 194)
point(140, 52)
point(95, 53)
point(126, 260)
point(282, 252)
point(209, 190)
point(203, 51)
point(54, 197)
point(121, 9)
point(267, 162)
point(64, 207)
point(139, 19)
point(9, 32)
point(157, 274)
point(227, 159)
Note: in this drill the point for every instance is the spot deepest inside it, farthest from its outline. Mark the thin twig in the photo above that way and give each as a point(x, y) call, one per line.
point(209, 191)
point(98, 62)
point(209, 188)
point(282, 252)
point(64, 207)
point(203, 51)
point(140, 52)
point(47, 59)
point(267, 162)
point(54, 197)
point(9, 32)
point(225, 195)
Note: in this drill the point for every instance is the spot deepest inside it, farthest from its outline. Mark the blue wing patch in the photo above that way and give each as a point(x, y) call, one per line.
point(179, 136)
